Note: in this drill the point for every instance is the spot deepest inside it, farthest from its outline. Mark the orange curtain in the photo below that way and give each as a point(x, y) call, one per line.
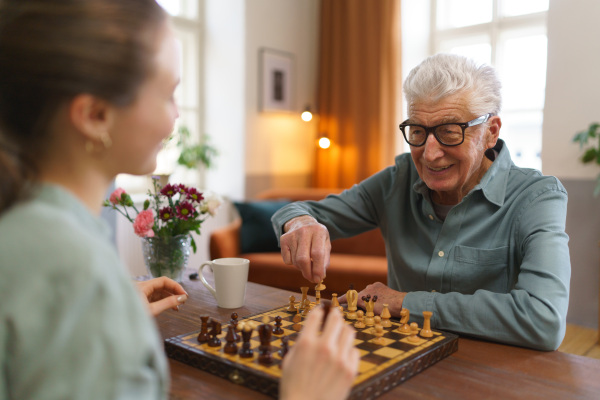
point(358, 66)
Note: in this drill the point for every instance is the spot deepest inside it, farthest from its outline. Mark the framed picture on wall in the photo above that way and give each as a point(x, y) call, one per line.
point(276, 69)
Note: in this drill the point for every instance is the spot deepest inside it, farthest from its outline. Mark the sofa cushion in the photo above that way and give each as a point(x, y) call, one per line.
point(256, 233)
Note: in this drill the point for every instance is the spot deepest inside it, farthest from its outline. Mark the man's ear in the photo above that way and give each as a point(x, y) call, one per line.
point(494, 125)
point(91, 116)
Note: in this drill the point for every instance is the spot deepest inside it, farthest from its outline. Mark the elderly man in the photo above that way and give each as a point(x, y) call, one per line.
point(469, 235)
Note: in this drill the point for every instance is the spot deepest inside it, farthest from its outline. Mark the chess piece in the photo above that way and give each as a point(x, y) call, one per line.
point(304, 290)
point(378, 332)
point(404, 316)
point(297, 318)
point(369, 306)
point(306, 308)
point(360, 324)
point(278, 330)
point(351, 299)
point(335, 303)
point(292, 307)
point(246, 350)
point(284, 347)
point(318, 289)
point(265, 356)
point(215, 330)
point(203, 335)
point(385, 317)
point(234, 321)
point(426, 331)
point(414, 331)
point(230, 339)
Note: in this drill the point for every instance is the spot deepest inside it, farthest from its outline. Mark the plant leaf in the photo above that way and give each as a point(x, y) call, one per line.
point(589, 155)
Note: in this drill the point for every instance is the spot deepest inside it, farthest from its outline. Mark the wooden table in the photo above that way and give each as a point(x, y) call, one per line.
point(477, 370)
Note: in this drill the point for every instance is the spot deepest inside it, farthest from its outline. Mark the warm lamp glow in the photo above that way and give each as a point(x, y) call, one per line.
point(306, 116)
point(324, 143)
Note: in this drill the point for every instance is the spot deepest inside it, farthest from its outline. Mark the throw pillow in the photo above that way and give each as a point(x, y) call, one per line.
point(257, 233)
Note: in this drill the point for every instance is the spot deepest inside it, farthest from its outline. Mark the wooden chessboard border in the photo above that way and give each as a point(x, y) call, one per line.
point(269, 385)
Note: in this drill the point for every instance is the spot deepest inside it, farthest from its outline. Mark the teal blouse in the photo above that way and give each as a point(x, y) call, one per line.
point(496, 268)
point(72, 324)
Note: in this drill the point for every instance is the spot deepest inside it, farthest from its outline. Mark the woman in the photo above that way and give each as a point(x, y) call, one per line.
point(86, 92)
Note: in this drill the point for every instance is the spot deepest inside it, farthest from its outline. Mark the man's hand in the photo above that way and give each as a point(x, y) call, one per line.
point(161, 294)
point(306, 245)
point(385, 295)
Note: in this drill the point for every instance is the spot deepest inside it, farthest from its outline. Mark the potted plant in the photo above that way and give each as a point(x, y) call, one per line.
point(166, 222)
point(193, 154)
point(590, 141)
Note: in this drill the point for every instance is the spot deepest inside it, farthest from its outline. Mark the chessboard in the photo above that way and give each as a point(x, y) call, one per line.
point(381, 367)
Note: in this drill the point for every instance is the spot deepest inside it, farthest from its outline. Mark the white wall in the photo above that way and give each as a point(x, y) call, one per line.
point(572, 85)
point(224, 93)
point(281, 143)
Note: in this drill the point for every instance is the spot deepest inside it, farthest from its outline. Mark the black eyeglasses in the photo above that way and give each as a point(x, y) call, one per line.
point(447, 134)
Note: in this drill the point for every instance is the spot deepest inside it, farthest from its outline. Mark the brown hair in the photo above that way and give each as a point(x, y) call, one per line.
point(53, 50)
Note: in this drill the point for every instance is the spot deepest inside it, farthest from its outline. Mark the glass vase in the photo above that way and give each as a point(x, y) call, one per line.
point(166, 256)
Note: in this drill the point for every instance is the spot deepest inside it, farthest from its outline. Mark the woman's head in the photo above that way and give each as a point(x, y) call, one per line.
point(54, 50)
point(443, 75)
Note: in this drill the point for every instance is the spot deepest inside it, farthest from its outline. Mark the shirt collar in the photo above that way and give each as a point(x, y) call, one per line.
point(492, 184)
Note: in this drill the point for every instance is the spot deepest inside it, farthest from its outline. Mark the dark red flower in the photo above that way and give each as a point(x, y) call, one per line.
point(169, 190)
point(185, 210)
point(181, 188)
point(166, 213)
point(194, 195)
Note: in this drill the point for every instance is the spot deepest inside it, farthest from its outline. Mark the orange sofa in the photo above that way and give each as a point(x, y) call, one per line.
point(359, 260)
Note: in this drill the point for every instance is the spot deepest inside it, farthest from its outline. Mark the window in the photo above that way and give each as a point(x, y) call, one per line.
point(185, 18)
point(510, 35)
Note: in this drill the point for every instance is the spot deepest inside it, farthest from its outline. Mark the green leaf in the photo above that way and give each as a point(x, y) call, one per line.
point(593, 129)
point(589, 155)
point(193, 244)
point(146, 204)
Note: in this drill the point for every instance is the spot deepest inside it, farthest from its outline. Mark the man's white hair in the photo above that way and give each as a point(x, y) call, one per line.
point(442, 75)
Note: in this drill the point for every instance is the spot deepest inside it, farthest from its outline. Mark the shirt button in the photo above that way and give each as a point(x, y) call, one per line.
point(441, 253)
point(431, 217)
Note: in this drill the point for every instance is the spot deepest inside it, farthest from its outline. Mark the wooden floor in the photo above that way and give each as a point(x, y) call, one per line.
point(581, 341)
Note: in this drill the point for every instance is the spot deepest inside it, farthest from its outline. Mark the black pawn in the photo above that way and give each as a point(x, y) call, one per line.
point(284, 346)
point(265, 356)
point(203, 335)
point(234, 321)
point(230, 346)
point(214, 340)
point(278, 330)
point(246, 351)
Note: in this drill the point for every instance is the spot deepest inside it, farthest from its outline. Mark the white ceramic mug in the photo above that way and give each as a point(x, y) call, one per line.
point(231, 275)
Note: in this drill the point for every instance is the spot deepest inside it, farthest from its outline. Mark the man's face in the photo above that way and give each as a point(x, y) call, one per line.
point(451, 172)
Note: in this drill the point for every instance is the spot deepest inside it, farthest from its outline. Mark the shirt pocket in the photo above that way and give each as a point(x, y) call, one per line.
point(475, 269)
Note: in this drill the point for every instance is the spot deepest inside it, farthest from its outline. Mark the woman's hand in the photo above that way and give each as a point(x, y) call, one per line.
point(321, 366)
point(161, 294)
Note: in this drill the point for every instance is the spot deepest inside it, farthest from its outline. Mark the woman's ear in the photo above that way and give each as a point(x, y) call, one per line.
point(92, 117)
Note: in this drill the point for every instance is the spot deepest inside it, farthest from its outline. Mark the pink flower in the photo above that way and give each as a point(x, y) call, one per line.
point(115, 197)
point(143, 224)
point(185, 210)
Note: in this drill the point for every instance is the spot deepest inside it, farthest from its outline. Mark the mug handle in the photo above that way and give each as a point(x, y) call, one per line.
point(204, 282)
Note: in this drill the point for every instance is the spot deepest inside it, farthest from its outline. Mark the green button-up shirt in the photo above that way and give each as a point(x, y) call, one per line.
point(72, 325)
point(497, 267)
